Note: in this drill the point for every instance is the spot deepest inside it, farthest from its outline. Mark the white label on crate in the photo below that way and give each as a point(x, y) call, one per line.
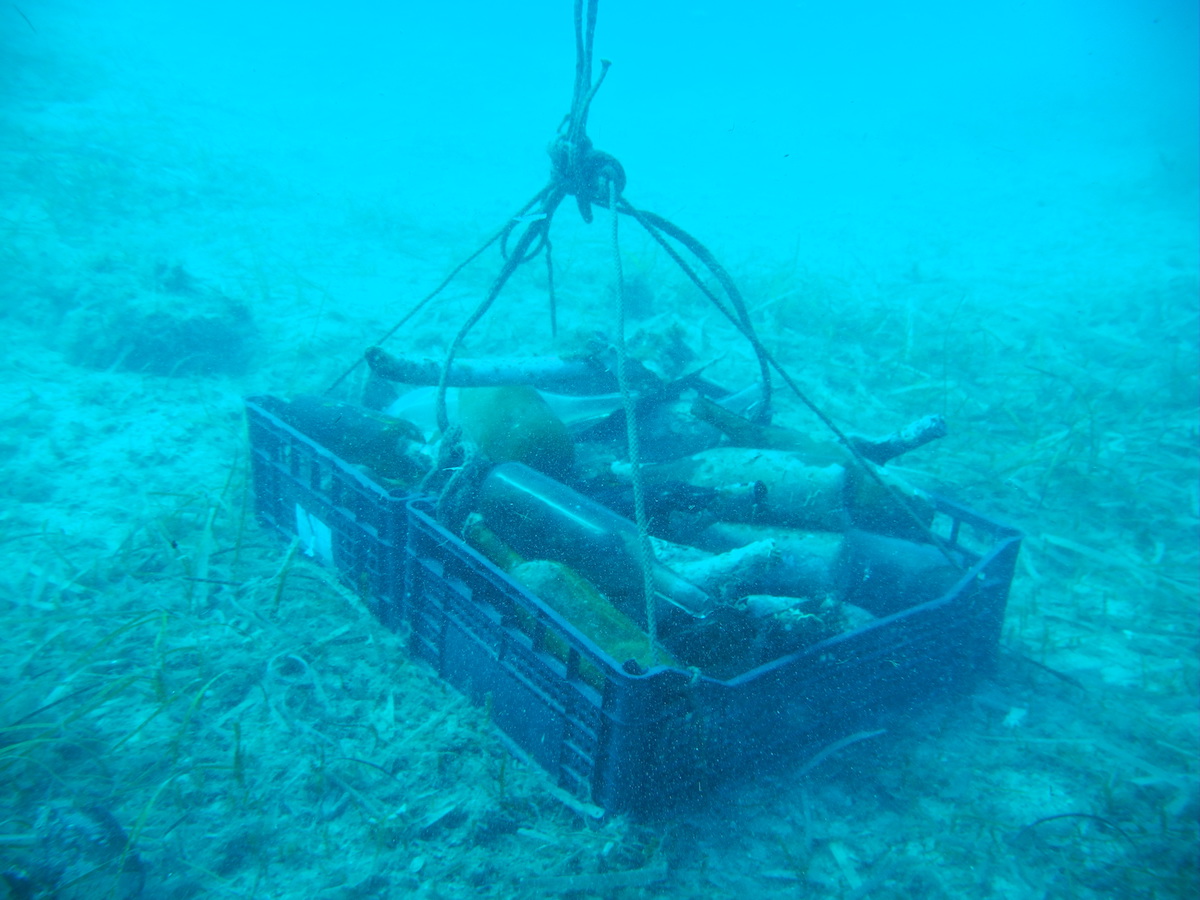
point(315, 536)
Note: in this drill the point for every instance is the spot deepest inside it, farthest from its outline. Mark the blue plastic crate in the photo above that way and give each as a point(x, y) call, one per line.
point(626, 742)
point(640, 742)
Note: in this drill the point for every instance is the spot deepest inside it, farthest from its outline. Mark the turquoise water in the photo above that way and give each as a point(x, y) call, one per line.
point(985, 213)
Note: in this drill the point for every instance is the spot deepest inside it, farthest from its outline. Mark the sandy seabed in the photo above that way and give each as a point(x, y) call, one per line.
point(186, 712)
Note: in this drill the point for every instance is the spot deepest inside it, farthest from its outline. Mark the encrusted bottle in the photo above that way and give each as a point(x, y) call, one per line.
point(390, 447)
point(544, 519)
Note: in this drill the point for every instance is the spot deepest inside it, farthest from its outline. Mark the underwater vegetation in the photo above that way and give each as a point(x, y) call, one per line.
point(191, 708)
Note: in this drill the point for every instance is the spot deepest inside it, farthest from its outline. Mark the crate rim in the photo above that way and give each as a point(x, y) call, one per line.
point(358, 473)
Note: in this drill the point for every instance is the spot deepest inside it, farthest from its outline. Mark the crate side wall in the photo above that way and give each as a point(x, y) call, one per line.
point(337, 515)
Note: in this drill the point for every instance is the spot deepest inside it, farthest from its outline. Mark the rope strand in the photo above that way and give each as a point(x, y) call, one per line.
point(424, 301)
point(645, 552)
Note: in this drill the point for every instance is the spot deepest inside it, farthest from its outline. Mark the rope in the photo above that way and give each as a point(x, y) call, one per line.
point(738, 318)
point(645, 552)
point(535, 230)
point(594, 177)
point(424, 301)
point(652, 223)
point(550, 288)
point(577, 169)
point(584, 91)
point(530, 213)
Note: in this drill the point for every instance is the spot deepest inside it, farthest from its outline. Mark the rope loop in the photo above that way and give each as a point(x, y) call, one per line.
point(585, 172)
point(528, 221)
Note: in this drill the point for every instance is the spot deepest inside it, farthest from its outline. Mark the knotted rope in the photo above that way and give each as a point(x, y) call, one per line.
point(596, 178)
